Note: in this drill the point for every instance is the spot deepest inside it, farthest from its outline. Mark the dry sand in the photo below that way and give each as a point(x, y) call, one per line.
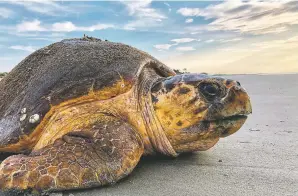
point(260, 159)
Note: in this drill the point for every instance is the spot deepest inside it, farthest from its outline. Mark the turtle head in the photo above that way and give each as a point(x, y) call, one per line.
point(195, 110)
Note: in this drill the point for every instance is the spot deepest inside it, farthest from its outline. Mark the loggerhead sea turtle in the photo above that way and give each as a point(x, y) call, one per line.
point(81, 112)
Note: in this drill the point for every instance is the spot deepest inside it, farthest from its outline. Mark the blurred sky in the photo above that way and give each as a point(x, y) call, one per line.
point(202, 36)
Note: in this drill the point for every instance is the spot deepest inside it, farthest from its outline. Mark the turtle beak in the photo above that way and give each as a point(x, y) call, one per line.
point(237, 97)
point(242, 102)
point(237, 102)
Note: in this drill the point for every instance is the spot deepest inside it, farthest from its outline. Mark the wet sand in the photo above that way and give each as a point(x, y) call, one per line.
point(260, 159)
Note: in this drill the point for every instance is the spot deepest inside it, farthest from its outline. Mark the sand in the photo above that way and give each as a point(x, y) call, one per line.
point(260, 159)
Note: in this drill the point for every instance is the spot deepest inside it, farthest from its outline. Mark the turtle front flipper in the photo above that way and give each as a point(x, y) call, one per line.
point(97, 155)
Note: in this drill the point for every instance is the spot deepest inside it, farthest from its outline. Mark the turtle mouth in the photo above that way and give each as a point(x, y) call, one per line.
point(227, 125)
point(231, 118)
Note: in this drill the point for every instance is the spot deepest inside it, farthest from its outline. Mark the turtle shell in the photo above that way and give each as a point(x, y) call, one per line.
point(65, 71)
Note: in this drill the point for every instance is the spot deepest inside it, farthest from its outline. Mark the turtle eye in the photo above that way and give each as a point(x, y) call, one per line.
point(210, 91)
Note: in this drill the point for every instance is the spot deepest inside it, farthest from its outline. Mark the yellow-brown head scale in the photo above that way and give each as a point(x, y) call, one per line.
point(195, 110)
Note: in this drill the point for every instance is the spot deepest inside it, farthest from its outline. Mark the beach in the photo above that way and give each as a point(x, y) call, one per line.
point(260, 159)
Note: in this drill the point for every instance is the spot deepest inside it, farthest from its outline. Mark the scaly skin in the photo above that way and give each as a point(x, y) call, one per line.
point(99, 154)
